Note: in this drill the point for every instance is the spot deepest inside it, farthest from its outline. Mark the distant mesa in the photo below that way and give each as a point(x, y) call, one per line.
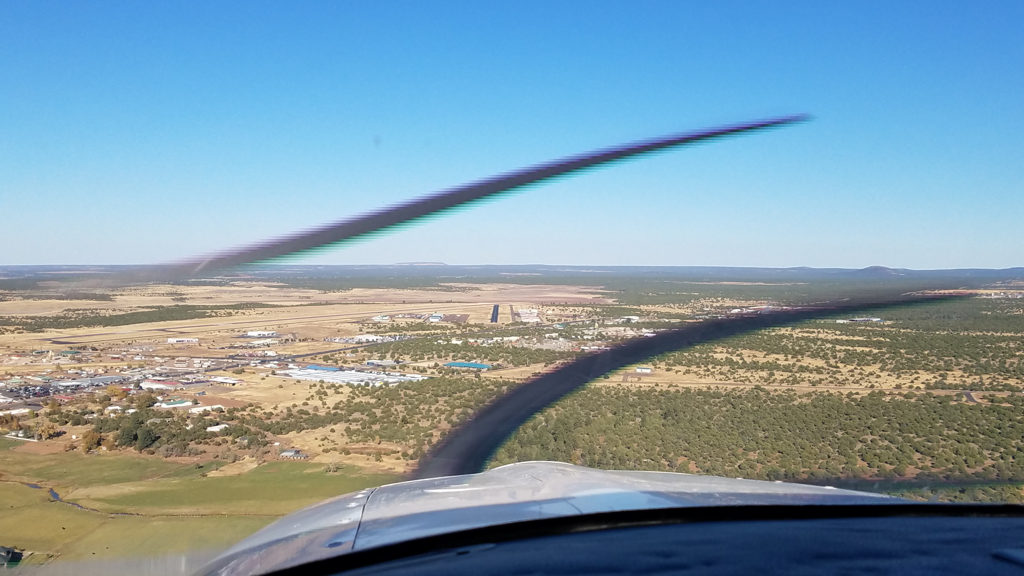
point(880, 271)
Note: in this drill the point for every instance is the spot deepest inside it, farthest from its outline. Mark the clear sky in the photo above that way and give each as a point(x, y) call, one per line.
point(141, 132)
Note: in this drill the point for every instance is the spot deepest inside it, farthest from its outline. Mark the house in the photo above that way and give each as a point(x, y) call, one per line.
point(293, 453)
point(643, 370)
point(201, 409)
point(217, 428)
point(260, 334)
point(174, 404)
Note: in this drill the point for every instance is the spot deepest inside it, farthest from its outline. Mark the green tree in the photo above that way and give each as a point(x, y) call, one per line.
point(145, 438)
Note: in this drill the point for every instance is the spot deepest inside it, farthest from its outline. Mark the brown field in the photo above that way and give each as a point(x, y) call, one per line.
point(334, 314)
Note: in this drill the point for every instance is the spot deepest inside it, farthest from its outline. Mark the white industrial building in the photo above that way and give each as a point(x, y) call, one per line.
point(531, 315)
point(183, 340)
point(351, 377)
point(260, 334)
point(156, 385)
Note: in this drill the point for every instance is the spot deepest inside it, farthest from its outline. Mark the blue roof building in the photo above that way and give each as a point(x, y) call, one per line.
point(468, 365)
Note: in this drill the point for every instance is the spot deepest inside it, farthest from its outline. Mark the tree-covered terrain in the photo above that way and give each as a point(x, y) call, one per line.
point(918, 444)
point(411, 416)
point(912, 348)
point(755, 433)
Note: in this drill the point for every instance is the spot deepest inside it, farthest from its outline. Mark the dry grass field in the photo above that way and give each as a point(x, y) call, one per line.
point(311, 315)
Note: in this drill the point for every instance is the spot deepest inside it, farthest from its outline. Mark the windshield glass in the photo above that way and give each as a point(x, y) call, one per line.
point(152, 412)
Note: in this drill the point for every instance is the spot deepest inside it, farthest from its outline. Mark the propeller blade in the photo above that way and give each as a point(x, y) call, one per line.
point(428, 205)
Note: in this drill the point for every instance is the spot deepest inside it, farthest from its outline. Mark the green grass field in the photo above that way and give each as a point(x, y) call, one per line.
point(122, 537)
point(272, 489)
point(179, 509)
point(76, 534)
point(74, 469)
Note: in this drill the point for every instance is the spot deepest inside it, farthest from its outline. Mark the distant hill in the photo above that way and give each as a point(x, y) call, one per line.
point(12, 276)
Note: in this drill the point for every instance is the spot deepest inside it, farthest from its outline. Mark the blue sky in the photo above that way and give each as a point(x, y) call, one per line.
point(145, 132)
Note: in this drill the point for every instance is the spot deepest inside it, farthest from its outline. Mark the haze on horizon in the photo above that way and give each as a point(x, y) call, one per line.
point(147, 133)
